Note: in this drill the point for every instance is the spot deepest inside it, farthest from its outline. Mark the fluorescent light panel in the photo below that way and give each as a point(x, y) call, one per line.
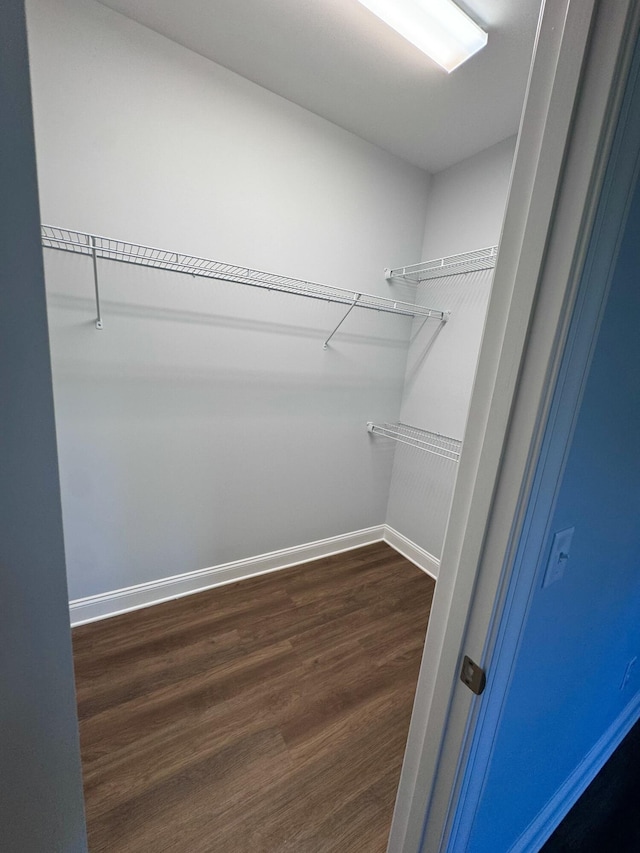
point(438, 28)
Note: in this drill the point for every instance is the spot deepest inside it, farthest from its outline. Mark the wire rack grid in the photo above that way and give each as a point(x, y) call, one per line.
point(431, 442)
point(480, 259)
point(63, 239)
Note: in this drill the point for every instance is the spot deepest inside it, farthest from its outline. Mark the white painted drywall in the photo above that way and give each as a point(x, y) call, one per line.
point(41, 805)
point(205, 423)
point(467, 202)
point(465, 212)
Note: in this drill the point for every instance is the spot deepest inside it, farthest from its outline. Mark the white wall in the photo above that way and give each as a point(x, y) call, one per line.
point(41, 805)
point(465, 212)
point(467, 202)
point(205, 423)
point(567, 695)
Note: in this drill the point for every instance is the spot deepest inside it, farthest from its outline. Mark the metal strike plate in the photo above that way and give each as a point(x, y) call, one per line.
point(473, 676)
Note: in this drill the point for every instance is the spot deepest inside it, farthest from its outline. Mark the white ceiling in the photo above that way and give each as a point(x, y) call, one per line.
point(335, 58)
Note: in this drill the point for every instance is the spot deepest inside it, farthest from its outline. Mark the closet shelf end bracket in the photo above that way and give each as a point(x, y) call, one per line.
point(92, 242)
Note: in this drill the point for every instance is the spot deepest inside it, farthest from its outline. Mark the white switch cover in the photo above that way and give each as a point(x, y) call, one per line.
point(559, 556)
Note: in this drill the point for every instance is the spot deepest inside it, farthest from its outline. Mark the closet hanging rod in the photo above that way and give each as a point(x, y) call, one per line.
point(480, 259)
point(106, 248)
point(431, 442)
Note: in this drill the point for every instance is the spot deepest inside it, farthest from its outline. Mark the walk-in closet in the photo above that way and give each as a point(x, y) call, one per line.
point(265, 314)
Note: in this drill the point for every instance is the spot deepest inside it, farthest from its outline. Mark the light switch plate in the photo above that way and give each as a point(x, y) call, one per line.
point(559, 556)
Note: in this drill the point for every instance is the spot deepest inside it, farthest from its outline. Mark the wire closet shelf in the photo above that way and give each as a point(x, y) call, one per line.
point(480, 259)
point(431, 442)
point(107, 248)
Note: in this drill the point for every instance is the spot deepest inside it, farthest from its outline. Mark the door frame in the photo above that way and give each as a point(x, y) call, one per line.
point(581, 64)
point(598, 253)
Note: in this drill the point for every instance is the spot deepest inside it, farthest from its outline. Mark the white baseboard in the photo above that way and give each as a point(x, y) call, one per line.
point(106, 604)
point(421, 558)
point(118, 601)
point(542, 826)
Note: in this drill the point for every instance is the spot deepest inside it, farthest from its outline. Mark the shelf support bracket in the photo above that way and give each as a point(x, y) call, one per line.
point(94, 257)
point(349, 310)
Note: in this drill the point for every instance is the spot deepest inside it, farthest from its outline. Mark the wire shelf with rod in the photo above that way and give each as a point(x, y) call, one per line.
point(480, 259)
point(106, 248)
point(431, 442)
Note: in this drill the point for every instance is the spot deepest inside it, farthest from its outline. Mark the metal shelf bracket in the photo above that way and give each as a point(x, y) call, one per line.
point(356, 296)
point(94, 256)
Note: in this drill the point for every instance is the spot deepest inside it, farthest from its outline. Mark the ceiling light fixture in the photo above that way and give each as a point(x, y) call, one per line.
point(438, 28)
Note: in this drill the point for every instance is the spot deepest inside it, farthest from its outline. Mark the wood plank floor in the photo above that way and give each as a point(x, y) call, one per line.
point(268, 715)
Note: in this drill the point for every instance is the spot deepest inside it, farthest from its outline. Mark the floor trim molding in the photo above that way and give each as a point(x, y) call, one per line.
point(106, 604)
point(543, 825)
point(417, 555)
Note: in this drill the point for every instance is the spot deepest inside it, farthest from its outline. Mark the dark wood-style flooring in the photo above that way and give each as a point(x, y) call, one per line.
point(265, 716)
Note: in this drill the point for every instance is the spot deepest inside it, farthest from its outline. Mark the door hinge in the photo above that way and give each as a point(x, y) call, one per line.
point(473, 675)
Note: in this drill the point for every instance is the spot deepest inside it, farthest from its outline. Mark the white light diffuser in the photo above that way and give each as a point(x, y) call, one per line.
point(438, 28)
